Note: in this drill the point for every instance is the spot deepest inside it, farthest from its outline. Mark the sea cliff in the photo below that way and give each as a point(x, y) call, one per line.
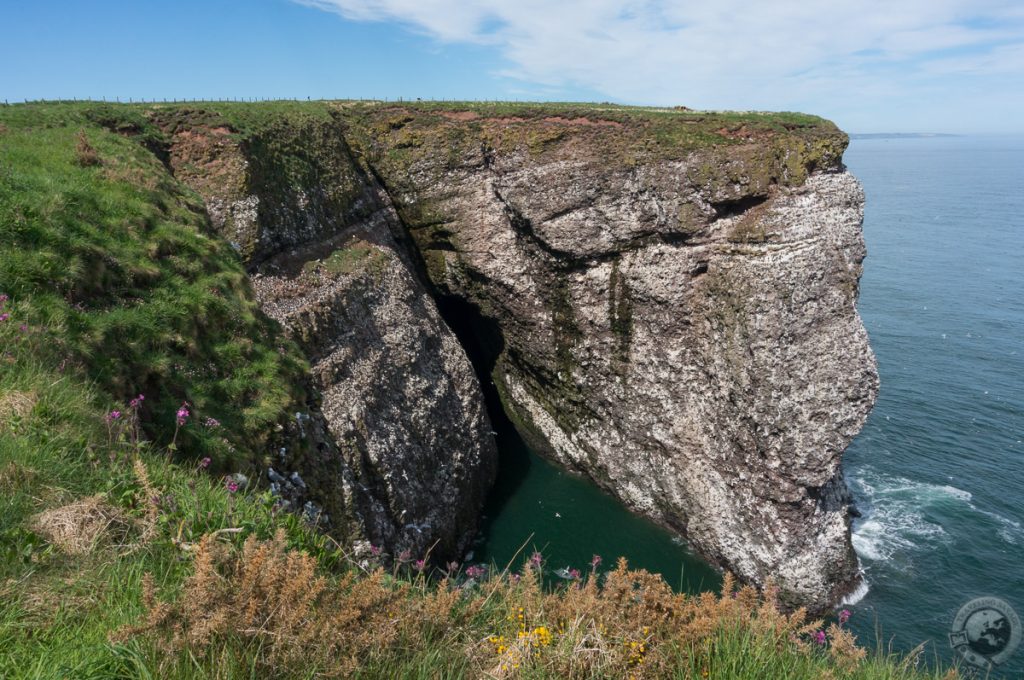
point(670, 297)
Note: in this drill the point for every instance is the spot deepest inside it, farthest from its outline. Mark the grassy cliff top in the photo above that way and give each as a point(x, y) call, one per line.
point(678, 126)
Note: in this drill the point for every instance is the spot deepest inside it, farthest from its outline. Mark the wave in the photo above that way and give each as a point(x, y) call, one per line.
point(857, 594)
point(896, 519)
point(901, 515)
point(1009, 530)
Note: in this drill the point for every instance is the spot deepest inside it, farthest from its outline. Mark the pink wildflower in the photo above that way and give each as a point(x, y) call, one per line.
point(452, 567)
point(112, 416)
point(136, 402)
point(183, 413)
point(574, 574)
point(595, 561)
point(232, 485)
point(404, 556)
point(204, 463)
point(819, 637)
point(375, 550)
point(475, 571)
point(419, 565)
point(536, 559)
point(844, 616)
point(5, 316)
point(211, 422)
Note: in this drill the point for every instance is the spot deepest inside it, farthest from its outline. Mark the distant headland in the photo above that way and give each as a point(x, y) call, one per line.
point(900, 135)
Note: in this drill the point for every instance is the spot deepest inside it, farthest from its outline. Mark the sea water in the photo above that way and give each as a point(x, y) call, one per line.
point(938, 470)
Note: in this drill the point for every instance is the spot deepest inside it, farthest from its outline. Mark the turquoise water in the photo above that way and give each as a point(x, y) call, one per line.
point(939, 468)
point(537, 506)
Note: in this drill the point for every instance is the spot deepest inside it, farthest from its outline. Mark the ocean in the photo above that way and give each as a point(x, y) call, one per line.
point(938, 470)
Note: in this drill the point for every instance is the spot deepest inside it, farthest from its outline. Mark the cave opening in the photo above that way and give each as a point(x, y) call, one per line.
point(482, 340)
point(536, 504)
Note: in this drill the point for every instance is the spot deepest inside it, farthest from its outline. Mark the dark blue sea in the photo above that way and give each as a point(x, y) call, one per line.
point(938, 470)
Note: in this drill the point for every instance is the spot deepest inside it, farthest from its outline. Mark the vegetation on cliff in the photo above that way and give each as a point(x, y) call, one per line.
point(112, 263)
point(137, 371)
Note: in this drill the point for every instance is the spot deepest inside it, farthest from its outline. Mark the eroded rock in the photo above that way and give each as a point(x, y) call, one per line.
point(682, 330)
point(396, 446)
point(675, 294)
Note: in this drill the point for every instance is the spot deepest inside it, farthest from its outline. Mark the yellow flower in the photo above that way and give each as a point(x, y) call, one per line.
point(543, 635)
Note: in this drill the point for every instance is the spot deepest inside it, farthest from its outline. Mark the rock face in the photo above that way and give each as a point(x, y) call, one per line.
point(682, 329)
point(399, 395)
point(675, 294)
point(403, 454)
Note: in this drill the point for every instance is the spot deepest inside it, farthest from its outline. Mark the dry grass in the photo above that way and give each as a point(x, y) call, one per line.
point(82, 526)
point(151, 494)
point(14, 476)
point(85, 154)
point(15, 406)
point(633, 625)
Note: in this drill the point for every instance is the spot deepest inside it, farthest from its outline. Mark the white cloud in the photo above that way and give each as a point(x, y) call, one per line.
point(770, 54)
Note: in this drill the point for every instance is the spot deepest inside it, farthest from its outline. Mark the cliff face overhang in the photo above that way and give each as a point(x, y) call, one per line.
point(675, 296)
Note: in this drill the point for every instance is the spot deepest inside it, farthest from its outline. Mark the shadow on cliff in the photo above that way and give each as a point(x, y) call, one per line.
point(483, 342)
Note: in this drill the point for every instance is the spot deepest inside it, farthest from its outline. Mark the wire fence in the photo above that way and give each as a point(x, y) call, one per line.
point(144, 100)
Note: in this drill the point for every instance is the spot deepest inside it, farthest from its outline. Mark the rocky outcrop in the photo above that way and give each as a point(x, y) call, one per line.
point(402, 451)
point(399, 395)
point(678, 326)
point(675, 294)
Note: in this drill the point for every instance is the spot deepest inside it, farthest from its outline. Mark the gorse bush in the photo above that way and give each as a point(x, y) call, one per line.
point(278, 606)
point(273, 600)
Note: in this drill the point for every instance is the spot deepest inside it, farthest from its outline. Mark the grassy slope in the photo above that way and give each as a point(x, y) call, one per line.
point(116, 262)
point(117, 287)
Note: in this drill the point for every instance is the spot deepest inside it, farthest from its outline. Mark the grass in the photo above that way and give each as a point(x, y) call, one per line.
point(114, 261)
point(115, 285)
point(353, 257)
point(56, 609)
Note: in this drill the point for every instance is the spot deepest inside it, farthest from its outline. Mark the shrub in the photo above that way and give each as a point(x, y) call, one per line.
point(278, 606)
point(85, 155)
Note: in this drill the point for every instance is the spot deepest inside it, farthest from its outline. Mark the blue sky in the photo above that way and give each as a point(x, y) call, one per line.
point(870, 65)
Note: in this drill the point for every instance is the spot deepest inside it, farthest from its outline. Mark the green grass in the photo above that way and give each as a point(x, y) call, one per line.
point(56, 610)
point(354, 257)
point(117, 264)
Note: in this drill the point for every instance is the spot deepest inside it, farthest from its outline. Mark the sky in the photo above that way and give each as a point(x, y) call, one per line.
point(869, 65)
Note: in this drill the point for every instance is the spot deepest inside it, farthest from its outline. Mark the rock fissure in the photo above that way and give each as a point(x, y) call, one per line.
point(736, 206)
